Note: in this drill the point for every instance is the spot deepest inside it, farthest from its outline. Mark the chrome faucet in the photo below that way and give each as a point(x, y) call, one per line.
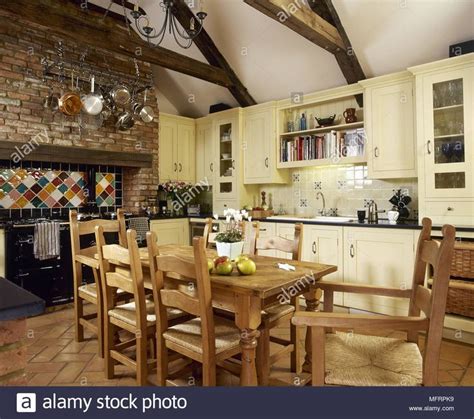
point(323, 210)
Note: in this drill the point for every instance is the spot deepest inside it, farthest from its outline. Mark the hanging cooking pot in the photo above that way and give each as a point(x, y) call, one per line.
point(93, 103)
point(70, 103)
point(125, 121)
point(52, 101)
point(144, 111)
point(120, 94)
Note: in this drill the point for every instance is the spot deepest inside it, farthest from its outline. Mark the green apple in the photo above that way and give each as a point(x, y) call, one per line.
point(210, 265)
point(220, 259)
point(247, 267)
point(224, 268)
point(240, 258)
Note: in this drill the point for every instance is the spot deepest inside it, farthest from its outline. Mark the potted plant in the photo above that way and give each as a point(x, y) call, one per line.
point(230, 242)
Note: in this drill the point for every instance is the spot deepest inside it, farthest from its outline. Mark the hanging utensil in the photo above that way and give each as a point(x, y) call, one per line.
point(144, 111)
point(93, 102)
point(120, 94)
point(125, 121)
point(70, 103)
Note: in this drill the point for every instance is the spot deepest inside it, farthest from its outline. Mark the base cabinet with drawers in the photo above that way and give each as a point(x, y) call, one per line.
point(174, 231)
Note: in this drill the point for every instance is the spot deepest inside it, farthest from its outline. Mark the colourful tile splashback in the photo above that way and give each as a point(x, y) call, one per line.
point(28, 189)
point(105, 188)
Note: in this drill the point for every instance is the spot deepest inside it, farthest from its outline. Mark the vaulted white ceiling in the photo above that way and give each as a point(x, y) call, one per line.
point(272, 61)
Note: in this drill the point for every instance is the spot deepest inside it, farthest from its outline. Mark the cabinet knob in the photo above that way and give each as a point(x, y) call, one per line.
point(428, 146)
point(376, 152)
point(266, 162)
point(211, 167)
point(180, 167)
point(175, 167)
point(450, 209)
point(233, 164)
point(313, 248)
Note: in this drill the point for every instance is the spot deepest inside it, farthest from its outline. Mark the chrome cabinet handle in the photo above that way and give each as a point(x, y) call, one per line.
point(266, 162)
point(180, 167)
point(313, 247)
point(428, 146)
point(351, 251)
point(450, 209)
point(376, 152)
point(211, 167)
point(175, 167)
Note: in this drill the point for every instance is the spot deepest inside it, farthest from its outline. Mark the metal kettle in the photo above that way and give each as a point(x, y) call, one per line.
point(373, 216)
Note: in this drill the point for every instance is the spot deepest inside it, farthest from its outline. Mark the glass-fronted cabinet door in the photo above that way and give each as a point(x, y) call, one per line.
point(448, 115)
point(227, 157)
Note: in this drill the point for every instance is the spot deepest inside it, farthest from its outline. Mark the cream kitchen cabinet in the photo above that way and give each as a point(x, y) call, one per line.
point(260, 146)
point(377, 256)
point(445, 106)
point(390, 126)
point(229, 190)
point(175, 231)
point(177, 148)
point(323, 244)
point(205, 155)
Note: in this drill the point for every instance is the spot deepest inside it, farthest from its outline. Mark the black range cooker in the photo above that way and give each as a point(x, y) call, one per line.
point(49, 279)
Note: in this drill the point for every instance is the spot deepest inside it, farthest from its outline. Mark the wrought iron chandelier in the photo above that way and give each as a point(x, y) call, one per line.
point(183, 36)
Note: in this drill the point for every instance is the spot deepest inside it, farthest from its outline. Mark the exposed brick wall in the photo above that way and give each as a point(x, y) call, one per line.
point(22, 114)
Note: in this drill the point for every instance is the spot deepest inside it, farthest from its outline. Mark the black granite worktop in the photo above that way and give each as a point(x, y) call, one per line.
point(17, 303)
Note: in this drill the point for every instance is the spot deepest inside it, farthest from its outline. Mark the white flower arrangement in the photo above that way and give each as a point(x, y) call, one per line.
point(233, 230)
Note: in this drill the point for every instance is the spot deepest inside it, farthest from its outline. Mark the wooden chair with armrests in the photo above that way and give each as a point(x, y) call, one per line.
point(85, 257)
point(279, 314)
point(206, 338)
point(361, 360)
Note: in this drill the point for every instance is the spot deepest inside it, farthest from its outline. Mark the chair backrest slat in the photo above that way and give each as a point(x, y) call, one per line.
point(178, 299)
point(429, 251)
point(423, 300)
point(207, 231)
point(116, 253)
point(284, 245)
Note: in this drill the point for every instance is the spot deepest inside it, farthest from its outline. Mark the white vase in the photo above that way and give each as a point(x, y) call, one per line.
point(231, 250)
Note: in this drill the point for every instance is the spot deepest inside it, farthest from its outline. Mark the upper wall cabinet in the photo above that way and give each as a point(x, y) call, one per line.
point(445, 108)
point(260, 145)
point(205, 153)
point(176, 148)
point(390, 126)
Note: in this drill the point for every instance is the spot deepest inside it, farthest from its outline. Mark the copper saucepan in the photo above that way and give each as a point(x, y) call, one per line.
point(70, 103)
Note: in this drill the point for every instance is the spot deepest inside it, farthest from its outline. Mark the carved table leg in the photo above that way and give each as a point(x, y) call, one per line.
point(312, 304)
point(248, 343)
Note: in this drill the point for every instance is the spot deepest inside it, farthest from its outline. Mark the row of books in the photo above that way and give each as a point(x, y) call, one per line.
point(334, 144)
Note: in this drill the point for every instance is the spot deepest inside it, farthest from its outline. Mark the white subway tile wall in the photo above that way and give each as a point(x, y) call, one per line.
point(345, 188)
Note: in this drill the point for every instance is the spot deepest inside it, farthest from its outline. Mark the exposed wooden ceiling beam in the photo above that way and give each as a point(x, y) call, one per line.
point(68, 21)
point(298, 17)
point(212, 54)
point(346, 58)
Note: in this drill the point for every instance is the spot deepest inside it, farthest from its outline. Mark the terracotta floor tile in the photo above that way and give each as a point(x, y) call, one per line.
point(73, 357)
point(96, 364)
point(47, 354)
point(447, 365)
point(468, 378)
point(90, 348)
point(42, 379)
point(74, 347)
point(457, 374)
point(69, 373)
point(44, 367)
point(456, 353)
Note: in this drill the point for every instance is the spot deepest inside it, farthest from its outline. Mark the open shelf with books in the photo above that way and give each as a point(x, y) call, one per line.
point(305, 140)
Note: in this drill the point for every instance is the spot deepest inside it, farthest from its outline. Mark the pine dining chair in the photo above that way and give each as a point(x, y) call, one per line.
point(359, 360)
point(85, 257)
point(279, 314)
point(206, 338)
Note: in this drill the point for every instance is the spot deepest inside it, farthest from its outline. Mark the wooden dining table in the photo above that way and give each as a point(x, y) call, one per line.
point(248, 296)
